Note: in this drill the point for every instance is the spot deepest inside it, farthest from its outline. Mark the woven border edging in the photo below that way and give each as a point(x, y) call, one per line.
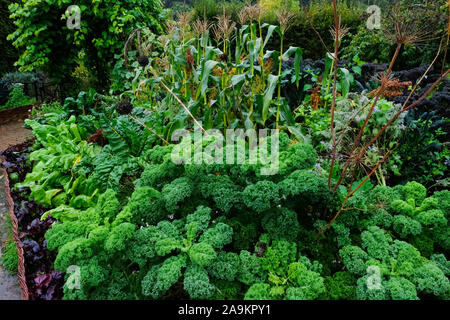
point(15, 224)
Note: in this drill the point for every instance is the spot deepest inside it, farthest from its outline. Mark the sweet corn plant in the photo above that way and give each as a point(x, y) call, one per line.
point(229, 85)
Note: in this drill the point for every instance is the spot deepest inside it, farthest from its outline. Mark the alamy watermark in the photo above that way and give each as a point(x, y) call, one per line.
point(374, 20)
point(74, 279)
point(74, 17)
point(238, 146)
point(374, 280)
point(74, 20)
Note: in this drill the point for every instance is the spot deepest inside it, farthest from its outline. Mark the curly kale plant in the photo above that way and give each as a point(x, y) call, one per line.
point(393, 269)
point(289, 276)
point(197, 245)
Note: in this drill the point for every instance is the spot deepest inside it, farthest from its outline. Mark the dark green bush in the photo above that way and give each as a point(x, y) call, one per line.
point(211, 9)
point(320, 15)
point(9, 53)
point(17, 99)
point(428, 19)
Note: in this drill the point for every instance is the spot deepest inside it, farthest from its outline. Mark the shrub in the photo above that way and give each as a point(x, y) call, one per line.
point(375, 45)
point(321, 16)
point(270, 8)
point(17, 99)
point(210, 9)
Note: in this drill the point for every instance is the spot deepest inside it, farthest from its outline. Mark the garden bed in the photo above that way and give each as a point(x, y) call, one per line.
point(15, 114)
point(36, 278)
point(218, 168)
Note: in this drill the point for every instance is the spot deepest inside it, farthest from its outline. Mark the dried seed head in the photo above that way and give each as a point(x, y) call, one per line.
point(134, 33)
point(224, 28)
point(190, 61)
point(143, 60)
point(218, 72)
point(243, 17)
point(124, 106)
point(190, 57)
point(404, 28)
point(286, 19)
point(184, 19)
point(98, 138)
point(342, 31)
point(249, 13)
point(200, 26)
point(262, 247)
point(171, 29)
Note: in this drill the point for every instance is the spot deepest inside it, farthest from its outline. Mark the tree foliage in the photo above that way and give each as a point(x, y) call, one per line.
point(47, 43)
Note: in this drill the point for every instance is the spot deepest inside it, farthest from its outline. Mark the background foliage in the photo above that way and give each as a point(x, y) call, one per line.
point(46, 43)
point(9, 54)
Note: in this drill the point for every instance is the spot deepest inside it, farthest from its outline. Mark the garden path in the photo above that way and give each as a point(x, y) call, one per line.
point(12, 133)
point(9, 285)
point(11, 130)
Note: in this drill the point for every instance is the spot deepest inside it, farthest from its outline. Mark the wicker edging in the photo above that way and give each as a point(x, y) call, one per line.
point(15, 225)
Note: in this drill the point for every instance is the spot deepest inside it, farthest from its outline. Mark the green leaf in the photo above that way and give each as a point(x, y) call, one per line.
point(166, 246)
point(160, 278)
point(287, 54)
point(237, 79)
point(270, 31)
point(299, 134)
point(63, 213)
point(326, 72)
point(197, 283)
point(206, 72)
point(286, 113)
point(273, 80)
point(192, 230)
point(345, 81)
point(49, 194)
point(357, 70)
point(202, 254)
point(297, 61)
